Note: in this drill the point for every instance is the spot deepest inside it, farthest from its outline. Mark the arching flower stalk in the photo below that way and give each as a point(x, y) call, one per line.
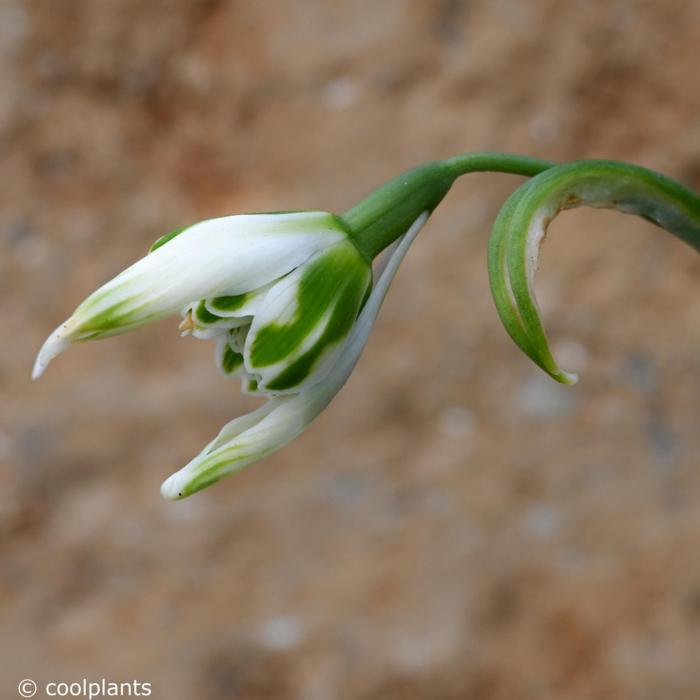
point(290, 298)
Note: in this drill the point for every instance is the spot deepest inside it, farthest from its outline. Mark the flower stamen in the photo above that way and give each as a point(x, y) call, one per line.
point(186, 325)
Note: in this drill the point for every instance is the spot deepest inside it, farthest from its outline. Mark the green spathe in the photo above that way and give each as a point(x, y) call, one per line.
point(522, 224)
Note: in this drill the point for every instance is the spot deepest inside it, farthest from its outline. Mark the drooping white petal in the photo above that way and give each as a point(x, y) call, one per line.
point(242, 442)
point(258, 434)
point(53, 346)
point(226, 256)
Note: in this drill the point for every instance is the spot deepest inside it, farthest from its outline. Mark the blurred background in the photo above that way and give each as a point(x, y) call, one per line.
point(456, 525)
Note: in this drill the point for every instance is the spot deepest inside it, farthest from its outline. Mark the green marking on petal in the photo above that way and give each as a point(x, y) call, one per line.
point(240, 305)
point(229, 303)
point(213, 469)
point(231, 360)
point(167, 237)
point(114, 319)
point(203, 316)
point(335, 283)
point(342, 318)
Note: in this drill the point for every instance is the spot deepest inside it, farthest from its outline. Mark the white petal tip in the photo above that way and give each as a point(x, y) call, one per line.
point(172, 489)
point(54, 345)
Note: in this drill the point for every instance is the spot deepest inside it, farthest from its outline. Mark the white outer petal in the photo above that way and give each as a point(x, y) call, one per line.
point(53, 346)
point(218, 257)
point(255, 435)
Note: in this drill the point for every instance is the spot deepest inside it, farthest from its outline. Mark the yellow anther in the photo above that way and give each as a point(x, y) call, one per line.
point(186, 325)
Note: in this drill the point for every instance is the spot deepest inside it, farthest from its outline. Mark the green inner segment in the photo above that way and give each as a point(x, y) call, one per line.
point(204, 316)
point(332, 286)
point(231, 360)
point(230, 303)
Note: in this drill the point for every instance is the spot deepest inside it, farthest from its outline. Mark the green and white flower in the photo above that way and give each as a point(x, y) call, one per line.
point(279, 291)
point(280, 294)
point(255, 435)
point(288, 297)
point(287, 334)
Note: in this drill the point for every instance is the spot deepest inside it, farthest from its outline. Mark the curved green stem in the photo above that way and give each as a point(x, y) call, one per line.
point(522, 224)
point(388, 212)
point(489, 161)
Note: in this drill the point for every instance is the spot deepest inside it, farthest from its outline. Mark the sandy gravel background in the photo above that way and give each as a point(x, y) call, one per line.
point(455, 526)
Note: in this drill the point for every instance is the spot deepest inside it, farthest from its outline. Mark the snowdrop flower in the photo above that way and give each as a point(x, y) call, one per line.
point(255, 435)
point(280, 293)
point(288, 298)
